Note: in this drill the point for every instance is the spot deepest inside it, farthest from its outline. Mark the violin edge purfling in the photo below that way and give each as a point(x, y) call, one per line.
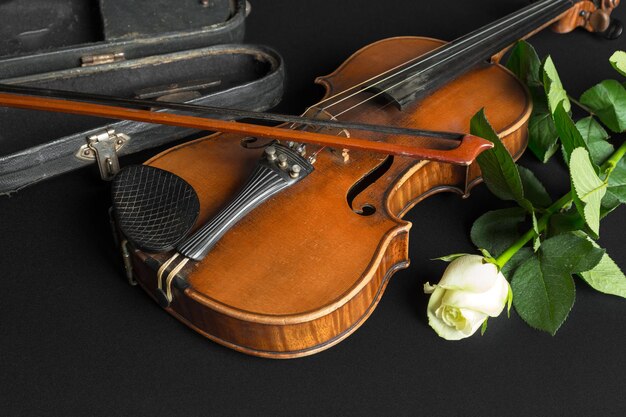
point(223, 314)
point(289, 271)
point(279, 335)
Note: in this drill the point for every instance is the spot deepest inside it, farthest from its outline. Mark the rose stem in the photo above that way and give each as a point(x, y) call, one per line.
point(582, 106)
point(562, 202)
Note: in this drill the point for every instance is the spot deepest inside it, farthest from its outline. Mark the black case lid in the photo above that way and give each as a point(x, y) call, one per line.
point(39, 36)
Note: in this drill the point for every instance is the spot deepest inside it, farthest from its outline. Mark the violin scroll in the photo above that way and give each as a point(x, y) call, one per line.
point(594, 16)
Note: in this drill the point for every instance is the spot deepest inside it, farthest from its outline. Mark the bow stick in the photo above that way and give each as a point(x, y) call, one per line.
point(464, 154)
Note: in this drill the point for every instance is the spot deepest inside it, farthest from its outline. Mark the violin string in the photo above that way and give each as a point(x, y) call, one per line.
point(418, 73)
point(313, 157)
point(421, 60)
point(441, 49)
point(528, 12)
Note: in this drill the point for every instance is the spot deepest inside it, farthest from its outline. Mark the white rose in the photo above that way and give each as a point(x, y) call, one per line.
point(469, 291)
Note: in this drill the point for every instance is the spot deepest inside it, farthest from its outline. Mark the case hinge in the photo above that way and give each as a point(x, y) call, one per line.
point(103, 148)
point(91, 60)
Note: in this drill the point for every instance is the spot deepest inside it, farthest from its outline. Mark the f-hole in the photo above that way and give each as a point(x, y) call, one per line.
point(373, 176)
point(250, 142)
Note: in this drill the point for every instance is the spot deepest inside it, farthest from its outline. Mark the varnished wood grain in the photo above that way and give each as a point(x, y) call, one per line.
point(469, 148)
point(303, 270)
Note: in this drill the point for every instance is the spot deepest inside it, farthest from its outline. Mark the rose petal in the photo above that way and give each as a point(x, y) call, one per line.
point(469, 273)
point(490, 302)
point(428, 289)
point(474, 319)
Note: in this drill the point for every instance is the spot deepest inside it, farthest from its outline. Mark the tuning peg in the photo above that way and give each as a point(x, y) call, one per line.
point(600, 21)
point(614, 30)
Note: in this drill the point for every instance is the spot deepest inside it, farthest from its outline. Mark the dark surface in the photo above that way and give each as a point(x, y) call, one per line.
point(75, 339)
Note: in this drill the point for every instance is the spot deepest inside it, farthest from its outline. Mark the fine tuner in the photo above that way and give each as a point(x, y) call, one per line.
point(156, 209)
point(265, 253)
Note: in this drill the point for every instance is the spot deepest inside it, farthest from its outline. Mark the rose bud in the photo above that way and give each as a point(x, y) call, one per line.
point(470, 290)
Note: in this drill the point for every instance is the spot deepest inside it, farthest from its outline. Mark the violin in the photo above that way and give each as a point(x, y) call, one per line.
point(297, 230)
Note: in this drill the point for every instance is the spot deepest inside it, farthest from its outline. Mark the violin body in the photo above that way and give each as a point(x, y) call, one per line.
point(306, 268)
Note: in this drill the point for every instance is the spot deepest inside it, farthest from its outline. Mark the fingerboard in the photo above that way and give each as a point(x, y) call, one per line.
point(418, 78)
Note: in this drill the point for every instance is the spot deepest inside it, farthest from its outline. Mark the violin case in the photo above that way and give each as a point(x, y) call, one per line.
point(169, 50)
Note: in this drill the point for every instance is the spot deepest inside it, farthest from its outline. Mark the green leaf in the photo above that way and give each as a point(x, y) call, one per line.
point(568, 221)
point(588, 188)
point(609, 203)
point(487, 256)
point(536, 243)
point(497, 230)
point(543, 288)
point(537, 237)
point(570, 252)
point(553, 87)
point(509, 302)
point(497, 166)
point(608, 101)
point(617, 182)
point(533, 188)
point(542, 134)
point(525, 64)
point(617, 193)
point(542, 298)
point(606, 277)
point(618, 60)
point(595, 137)
point(483, 328)
point(511, 266)
point(569, 134)
point(449, 258)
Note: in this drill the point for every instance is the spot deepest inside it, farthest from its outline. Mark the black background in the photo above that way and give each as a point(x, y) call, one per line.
point(75, 339)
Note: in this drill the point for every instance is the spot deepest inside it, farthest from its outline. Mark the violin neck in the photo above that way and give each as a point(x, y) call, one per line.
point(499, 35)
point(433, 70)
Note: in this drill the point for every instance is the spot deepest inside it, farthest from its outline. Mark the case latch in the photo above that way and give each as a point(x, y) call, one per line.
point(90, 60)
point(103, 147)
